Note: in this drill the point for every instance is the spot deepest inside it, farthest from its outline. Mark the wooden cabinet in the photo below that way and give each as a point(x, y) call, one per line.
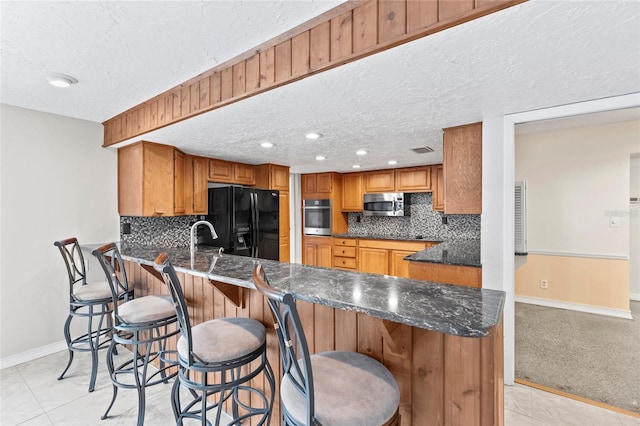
point(343, 253)
point(352, 192)
point(230, 172)
point(317, 183)
point(151, 180)
point(462, 169)
point(195, 185)
point(448, 274)
point(438, 187)
point(200, 203)
point(316, 251)
point(272, 176)
point(379, 181)
point(398, 266)
point(220, 170)
point(179, 164)
point(413, 179)
point(284, 227)
point(373, 260)
point(387, 256)
point(243, 174)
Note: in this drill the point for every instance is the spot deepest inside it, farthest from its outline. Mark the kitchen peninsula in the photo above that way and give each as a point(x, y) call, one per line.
point(443, 343)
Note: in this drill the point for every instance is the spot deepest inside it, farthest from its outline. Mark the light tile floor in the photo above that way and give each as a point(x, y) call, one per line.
point(31, 395)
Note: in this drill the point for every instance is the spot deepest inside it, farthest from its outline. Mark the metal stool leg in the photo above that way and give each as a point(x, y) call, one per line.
point(67, 337)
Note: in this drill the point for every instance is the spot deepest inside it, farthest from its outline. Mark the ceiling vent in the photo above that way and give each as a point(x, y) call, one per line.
point(422, 150)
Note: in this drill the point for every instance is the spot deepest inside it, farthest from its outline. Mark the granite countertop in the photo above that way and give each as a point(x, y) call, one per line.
point(419, 238)
point(454, 252)
point(456, 310)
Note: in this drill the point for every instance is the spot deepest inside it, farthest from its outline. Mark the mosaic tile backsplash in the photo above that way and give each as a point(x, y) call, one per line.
point(161, 231)
point(422, 221)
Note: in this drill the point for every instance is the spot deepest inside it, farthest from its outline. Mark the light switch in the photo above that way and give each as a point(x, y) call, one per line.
point(614, 221)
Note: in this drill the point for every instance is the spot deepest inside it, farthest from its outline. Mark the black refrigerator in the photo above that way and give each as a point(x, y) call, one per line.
point(246, 221)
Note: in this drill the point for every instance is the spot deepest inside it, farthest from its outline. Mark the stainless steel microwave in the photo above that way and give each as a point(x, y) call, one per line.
point(316, 218)
point(386, 204)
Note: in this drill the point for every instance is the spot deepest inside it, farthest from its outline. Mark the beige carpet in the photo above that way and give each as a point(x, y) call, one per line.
point(592, 356)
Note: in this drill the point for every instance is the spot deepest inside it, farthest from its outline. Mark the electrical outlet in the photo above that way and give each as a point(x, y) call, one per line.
point(126, 228)
point(544, 284)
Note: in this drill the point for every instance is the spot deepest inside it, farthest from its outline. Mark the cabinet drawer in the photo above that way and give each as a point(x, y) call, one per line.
point(344, 242)
point(344, 251)
point(344, 262)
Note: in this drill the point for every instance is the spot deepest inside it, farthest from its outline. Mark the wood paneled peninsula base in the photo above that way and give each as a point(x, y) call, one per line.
point(442, 343)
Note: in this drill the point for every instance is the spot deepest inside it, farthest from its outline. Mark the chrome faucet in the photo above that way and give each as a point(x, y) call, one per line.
point(194, 227)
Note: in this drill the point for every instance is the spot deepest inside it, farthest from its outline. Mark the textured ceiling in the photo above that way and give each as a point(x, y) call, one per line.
point(535, 55)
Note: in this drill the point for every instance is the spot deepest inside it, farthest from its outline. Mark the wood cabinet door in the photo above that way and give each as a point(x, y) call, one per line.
point(379, 181)
point(244, 173)
point(413, 179)
point(158, 171)
point(309, 254)
point(308, 183)
point(130, 180)
point(279, 178)
point(373, 260)
point(179, 186)
point(324, 256)
point(220, 171)
point(399, 266)
point(352, 192)
point(438, 188)
point(323, 182)
point(463, 169)
point(200, 191)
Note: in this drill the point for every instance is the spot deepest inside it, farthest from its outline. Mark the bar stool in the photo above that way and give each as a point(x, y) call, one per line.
point(86, 300)
point(225, 346)
point(334, 388)
point(143, 323)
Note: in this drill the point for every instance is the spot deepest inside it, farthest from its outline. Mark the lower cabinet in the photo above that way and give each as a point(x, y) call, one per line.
point(343, 253)
point(399, 266)
point(316, 251)
point(373, 260)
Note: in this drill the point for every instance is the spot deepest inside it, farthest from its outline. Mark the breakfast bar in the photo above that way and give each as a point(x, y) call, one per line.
point(443, 343)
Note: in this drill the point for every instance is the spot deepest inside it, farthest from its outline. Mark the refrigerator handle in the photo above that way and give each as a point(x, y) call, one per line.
point(254, 223)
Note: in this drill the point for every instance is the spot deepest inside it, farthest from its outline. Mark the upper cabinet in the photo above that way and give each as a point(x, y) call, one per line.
point(272, 176)
point(462, 169)
point(413, 179)
point(317, 183)
point(379, 181)
point(151, 180)
point(352, 191)
point(195, 184)
point(438, 187)
point(230, 172)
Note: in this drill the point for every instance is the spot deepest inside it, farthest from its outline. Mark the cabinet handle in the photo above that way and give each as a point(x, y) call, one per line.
point(343, 262)
point(342, 251)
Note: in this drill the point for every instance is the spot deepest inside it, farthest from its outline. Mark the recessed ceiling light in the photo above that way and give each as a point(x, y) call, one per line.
point(361, 152)
point(60, 80)
point(266, 144)
point(392, 162)
point(313, 135)
point(355, 166)
point(320, 157)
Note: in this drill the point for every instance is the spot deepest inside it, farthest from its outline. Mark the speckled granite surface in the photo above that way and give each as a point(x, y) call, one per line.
point(423, 238)
point(456, 310)
point(455, 252)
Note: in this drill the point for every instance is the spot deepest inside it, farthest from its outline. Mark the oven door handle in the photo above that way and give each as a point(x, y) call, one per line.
point(316, 208)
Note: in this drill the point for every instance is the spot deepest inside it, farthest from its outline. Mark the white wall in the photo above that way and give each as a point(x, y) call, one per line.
point(634, 230)
point(576, 180)
point(497, 220)
point(56, 182)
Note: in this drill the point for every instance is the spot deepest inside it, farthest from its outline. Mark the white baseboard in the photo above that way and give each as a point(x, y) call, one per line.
point(13, 360)
point(634, 296)
point(618, 313)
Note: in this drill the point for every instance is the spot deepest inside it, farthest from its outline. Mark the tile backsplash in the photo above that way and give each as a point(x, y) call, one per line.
point(422, 221)
point(161, 231)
